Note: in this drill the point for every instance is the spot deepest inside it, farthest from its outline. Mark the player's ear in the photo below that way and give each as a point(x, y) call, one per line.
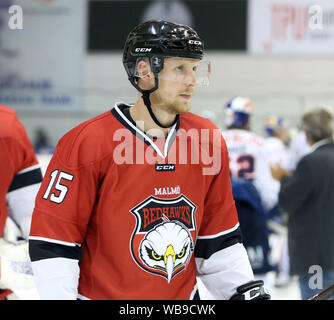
point(145, 76)
point(144, 70)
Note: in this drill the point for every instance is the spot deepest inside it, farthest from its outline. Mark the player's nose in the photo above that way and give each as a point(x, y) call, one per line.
point(191, 79)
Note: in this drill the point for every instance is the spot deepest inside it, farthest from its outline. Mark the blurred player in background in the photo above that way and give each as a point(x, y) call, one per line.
point(249, 159)
point(109, 229)
point(277, 139)
point(251, 181)
point(276, 143)
point(20, 177)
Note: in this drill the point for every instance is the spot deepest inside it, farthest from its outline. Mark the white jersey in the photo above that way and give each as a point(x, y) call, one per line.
point(249, 159)
point(278, 152)
point(298, 149)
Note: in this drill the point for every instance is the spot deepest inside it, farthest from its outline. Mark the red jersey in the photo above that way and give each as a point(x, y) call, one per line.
point(134, 210)
point(19, 167)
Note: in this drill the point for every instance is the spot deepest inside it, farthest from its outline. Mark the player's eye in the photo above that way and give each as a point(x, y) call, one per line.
point(179, 68)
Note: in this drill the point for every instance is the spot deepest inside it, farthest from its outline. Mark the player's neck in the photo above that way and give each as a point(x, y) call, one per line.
point(141, 116)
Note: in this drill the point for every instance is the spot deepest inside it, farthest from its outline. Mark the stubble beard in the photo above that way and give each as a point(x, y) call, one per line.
point(173, 105)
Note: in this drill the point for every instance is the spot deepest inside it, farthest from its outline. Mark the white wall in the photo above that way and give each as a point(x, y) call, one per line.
point(282, 85)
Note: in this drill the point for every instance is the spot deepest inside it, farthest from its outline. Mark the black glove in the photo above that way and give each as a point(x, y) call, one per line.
point(253, 290)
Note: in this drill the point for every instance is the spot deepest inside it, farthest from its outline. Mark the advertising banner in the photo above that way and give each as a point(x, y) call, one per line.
point(291, 27)
point(42, 48)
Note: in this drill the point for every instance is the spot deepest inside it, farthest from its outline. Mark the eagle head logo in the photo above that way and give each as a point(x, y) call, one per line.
point(167, 247)
point(163, 244)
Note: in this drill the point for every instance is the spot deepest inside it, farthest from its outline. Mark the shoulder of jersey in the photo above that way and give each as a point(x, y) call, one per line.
point(190, 120)
point(89, 141)
point(7, 119)
point(260, 141)
point(274, 141)
point(240, 135)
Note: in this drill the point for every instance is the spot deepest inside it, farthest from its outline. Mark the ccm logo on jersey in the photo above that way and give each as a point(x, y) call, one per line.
point(165, 167)
point(143, 49)
point(195, 42)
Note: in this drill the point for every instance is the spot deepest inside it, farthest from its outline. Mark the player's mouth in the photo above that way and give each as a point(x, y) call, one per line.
point(186, 96)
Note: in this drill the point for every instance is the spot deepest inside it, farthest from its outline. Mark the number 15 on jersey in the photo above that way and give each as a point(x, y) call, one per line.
point(59, 187)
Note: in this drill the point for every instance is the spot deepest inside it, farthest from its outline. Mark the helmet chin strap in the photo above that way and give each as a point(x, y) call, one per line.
point(147, 102)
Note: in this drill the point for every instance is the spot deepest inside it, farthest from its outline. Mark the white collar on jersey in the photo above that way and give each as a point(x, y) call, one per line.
point(145, 136)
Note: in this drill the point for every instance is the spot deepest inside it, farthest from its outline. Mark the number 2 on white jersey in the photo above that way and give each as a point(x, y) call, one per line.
point(243, 167)
point(59, 187)
point(246, 166)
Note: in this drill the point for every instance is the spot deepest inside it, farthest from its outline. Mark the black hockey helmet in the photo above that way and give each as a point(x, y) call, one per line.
point(155, 40)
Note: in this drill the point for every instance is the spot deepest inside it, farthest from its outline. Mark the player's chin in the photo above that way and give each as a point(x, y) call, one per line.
point(183, 107)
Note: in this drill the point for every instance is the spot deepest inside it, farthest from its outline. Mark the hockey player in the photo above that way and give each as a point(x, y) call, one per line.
point(119, 215)
point(253, 188)
point(276, 148)
point(276, 145)
point(248, 157)
point(20, 176)
point(276, 140)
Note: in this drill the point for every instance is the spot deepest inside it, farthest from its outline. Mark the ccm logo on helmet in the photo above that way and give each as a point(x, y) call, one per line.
point(143, 49)
point(195, 42)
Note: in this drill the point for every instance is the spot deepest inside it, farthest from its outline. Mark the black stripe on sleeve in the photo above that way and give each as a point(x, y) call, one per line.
point(206, 247)
point(26, 179)
point(39, 250)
